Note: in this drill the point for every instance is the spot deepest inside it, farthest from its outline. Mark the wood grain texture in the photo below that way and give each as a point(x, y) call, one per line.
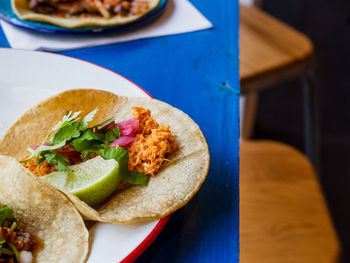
point(283, 215)
point(270, 51)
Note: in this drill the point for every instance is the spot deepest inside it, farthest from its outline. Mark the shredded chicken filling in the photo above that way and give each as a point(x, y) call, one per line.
point(153, 143)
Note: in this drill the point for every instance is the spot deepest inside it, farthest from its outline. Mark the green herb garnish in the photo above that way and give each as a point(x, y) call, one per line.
point(134, 177)
point(122, 157)
point(6, 213)
point(75, 132)
point(6, 251)
point(13, 226)
point(60, 161)
point(15, 251)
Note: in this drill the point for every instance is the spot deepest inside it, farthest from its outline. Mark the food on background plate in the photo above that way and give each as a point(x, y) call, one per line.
point(80, 13)
point(172, 179)
point(37, 222)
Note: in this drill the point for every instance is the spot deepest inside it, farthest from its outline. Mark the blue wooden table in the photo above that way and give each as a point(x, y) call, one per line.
point(197, 73)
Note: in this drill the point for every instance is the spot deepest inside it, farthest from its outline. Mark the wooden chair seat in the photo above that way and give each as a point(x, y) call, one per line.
point(270, 50)
point(283, 215)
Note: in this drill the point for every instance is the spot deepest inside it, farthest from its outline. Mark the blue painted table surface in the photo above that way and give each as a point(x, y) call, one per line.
point(197, 73)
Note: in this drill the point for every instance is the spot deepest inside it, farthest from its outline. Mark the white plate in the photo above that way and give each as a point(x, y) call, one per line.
point(28, 77)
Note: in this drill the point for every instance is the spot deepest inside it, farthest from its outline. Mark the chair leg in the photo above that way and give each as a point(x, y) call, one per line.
point(248, 121)
point(311, 128)
point(258, 2)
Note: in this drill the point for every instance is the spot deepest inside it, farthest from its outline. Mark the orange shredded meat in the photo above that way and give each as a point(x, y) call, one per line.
point(39, 170)
point(153, 143)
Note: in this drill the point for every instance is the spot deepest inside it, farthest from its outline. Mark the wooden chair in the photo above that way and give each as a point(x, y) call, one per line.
point(283, 215)
point(272, 52)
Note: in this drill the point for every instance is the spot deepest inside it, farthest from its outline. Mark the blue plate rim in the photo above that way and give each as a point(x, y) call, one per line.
point(36, 26)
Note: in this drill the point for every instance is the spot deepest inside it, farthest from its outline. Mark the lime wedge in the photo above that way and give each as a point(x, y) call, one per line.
point(92, 181)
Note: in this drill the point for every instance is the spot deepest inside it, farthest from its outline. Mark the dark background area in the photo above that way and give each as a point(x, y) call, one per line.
point(280, 115)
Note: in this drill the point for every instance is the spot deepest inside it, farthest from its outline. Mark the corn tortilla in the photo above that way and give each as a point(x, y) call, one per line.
point(43, 211)
point(22, 10)
point(170, 189)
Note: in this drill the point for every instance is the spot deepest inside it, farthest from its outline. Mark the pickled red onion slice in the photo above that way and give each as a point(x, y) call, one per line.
point(128, 127)
point(122, 141)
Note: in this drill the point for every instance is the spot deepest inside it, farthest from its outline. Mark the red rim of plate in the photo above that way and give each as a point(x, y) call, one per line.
point(146, 242)
point(162, 222)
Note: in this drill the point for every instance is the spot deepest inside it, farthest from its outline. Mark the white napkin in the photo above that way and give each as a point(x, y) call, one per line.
point(180, 16)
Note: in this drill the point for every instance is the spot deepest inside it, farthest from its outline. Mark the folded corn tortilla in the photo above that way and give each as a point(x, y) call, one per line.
point(22, 10)
point(170, 189)
point(43, 211)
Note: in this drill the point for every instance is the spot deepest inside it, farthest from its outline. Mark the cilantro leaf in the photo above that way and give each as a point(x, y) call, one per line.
point(89, 141)
point(67, 119)
point(89, 135)
point(66, 133)
point(133, 177)
point(85, 146)
point(113, 134)
point(40, 160)
point(85, 121)
point(117, 153)
point(6, 213)
point(42, 148)
point(57, 159)
point(122, 157)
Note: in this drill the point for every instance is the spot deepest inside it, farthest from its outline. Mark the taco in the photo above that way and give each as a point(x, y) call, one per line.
point(37, 223)
point(83, 13)
point(171, 181)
